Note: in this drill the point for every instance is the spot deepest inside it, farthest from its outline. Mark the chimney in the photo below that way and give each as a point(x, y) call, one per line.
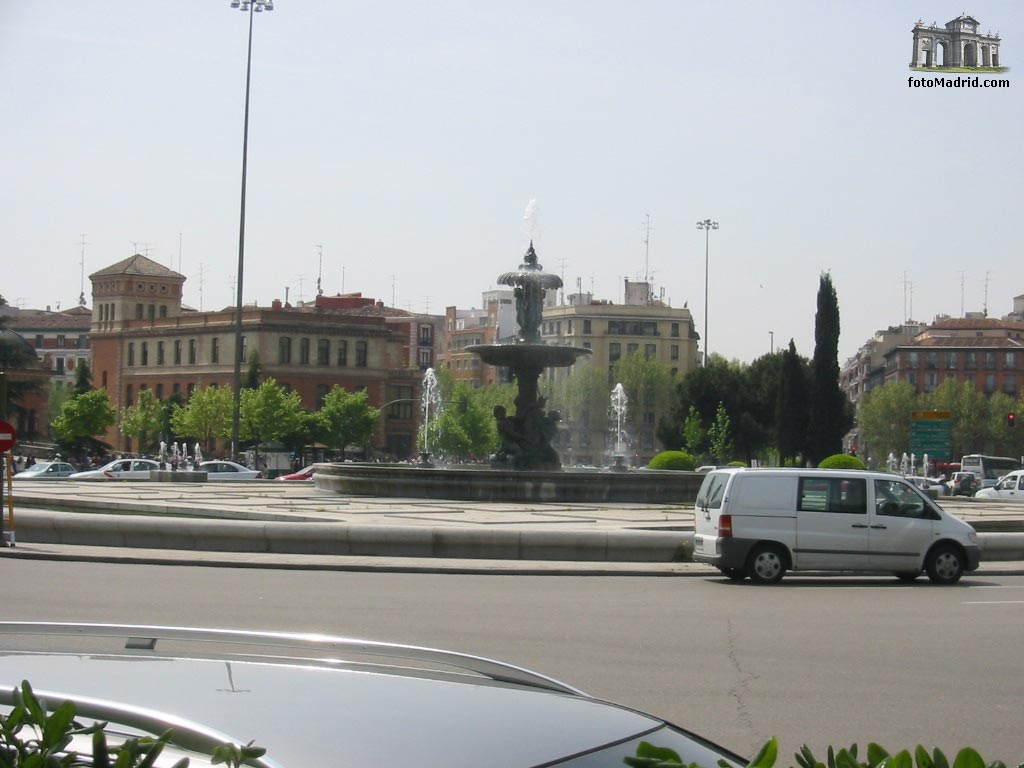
point(275, 304)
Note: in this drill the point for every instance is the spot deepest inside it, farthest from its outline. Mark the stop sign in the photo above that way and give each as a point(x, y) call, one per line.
point(7, 436)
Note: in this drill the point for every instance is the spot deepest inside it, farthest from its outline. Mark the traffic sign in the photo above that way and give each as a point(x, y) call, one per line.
point(8, 436)
point(931, 433)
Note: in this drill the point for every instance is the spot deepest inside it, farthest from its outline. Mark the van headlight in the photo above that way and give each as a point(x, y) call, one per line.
point(973, 537)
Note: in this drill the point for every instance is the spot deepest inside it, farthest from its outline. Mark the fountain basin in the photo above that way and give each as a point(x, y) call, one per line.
point(525, 355)
point(477, 483)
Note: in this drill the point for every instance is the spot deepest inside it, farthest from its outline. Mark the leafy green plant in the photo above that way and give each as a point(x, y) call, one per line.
point(675, 460)
point(650, 756)
point(32, 737)
point(841, 461)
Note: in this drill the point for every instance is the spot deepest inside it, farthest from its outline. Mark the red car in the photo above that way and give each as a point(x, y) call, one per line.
point(303, 474)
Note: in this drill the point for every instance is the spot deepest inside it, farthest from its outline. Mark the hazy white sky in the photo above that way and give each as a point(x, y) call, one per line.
point(407, 138)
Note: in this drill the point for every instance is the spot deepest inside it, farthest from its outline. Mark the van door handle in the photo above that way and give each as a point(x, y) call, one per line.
point(858, 525)
point(880, 527)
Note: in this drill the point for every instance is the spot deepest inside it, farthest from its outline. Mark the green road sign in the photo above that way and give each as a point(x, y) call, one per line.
point(931, 433)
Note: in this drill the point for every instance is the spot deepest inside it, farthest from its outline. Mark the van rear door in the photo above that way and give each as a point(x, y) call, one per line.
point(707, 510)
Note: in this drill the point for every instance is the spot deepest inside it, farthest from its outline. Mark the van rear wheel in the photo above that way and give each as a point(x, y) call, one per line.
point(767, 564)
point(945, 565)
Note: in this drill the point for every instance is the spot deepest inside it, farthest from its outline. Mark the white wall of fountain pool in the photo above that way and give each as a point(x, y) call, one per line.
point(478, 483)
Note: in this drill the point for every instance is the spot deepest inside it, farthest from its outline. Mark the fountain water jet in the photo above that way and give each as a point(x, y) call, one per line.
point(429, 399)
point(619, 402)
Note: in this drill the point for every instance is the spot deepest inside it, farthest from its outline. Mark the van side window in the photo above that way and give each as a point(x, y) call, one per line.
point(896, 499)
point(833, 494)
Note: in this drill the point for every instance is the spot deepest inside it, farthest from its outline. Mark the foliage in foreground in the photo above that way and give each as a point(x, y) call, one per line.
point(32, 737)
point(677, 460)
point(841, 461)
point(650, 756)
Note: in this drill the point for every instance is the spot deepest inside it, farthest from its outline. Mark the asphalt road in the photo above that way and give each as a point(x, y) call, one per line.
point(821, 661)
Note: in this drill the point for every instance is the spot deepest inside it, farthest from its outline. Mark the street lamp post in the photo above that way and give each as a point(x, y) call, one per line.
point(250, 7)
point(707, 225)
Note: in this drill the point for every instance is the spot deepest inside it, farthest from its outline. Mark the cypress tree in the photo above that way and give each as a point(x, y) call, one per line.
point(791, 408)
point(828, 416)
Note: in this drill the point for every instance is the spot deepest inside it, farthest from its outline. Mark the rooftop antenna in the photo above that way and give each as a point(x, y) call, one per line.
point(426, 303)
point(647, 245)
point(908, 289)
point(81, 264)
point(343, 280)
point(179, 252)
point(392, 290)
point(963, 278)
point(302, 279)
point(320, 273)
point(561, 266)
point(202, 274)
point(985, 308)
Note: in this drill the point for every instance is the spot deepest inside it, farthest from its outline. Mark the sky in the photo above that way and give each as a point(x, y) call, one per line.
point(400, 144)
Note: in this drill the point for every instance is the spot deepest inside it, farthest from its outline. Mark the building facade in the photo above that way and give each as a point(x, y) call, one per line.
point(495, 322)
point(143, 338)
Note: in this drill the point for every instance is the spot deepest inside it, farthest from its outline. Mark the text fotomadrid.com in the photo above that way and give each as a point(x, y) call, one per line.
point(956, 82)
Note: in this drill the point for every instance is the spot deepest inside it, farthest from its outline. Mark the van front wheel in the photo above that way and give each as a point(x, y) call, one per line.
point(767, 564)
point(945, 565)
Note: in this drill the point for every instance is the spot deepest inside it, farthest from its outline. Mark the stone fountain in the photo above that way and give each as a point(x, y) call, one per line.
point(526, 435)
point(526, 466)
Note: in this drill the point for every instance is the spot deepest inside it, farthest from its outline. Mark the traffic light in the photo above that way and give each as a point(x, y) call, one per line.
point(1011, 419)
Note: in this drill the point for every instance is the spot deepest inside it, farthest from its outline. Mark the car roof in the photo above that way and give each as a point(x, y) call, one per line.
point(304, 697)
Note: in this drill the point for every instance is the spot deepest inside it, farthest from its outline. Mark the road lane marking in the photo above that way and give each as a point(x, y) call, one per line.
point(994, 602)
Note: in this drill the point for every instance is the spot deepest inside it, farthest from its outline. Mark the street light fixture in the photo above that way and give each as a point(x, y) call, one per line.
point(250, 7)
point(707, 225)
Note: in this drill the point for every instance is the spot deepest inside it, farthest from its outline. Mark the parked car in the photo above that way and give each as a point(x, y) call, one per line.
point(120, 469)
point(964, 484)
point(1009, 488)
point(930, 484)
point(762, 522)
point(313, 700)
point(306, 473)
point(46, 470)
point(228, 470)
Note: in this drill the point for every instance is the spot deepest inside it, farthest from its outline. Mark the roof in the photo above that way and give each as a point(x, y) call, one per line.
point(137, 265)
point(76, 319)
point(960, 342)
point(975, 324)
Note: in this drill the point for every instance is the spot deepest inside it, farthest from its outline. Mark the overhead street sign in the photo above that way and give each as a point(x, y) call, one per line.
point(931, 433)
point(8, 436)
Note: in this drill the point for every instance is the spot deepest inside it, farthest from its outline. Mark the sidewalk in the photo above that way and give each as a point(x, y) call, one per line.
point(286, 525)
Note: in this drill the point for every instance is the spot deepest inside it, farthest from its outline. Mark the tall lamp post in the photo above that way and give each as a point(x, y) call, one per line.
point(707, 225)
point(250, 7)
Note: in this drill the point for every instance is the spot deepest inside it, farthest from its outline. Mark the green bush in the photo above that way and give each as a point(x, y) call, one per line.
point(680, 461)
point(841, 461)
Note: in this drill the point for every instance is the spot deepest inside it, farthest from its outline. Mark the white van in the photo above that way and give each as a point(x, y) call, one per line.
point(762, 522)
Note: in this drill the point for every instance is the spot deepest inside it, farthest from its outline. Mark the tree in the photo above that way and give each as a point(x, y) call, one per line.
point(16, 355)
point(791, 405)
point(254, 374)
point(83, 378)
point(884, 416)
point(464, 428)
point(648, 385)
point(719, 436)
point(84, 416)
point(206, 416)
point(969, 410)
point(143, 420)
point(268, 412)
point(830, 416)
point(693, 432)
point(347, 418)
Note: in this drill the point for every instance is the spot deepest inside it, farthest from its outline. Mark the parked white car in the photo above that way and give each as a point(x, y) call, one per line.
point(228, 470)
point(46, 470)
point(1009, 488)
point(120, 469)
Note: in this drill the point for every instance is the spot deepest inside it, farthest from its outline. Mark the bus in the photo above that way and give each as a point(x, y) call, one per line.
point(988, 469)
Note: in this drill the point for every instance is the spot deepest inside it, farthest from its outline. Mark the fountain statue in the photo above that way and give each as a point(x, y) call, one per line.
point(525, 436)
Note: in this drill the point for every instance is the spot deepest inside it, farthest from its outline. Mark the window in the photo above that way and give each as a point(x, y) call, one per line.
point(131, 353)
point(650, 351)
point(323, 351)
point(284, 349)
point(896, 499)
point(972, 360)
point(931, 381)
point(425, 358)
point(990, 382)
point(427, 335)
point(151, 311)
point(215, 349)
point(990, 361)
point(177, 351)
point(321, 394)
point(138, 311)
point(159, 391)
point(245, 350)
point(163, 311)
point(614, 351)
point(1010, 361)
point(913, 359)
point(193, 349)
point(128, 394)
point(1009, 384)
point(145, 353)
point(952, 362)
point(833, 494)
point(931, 360)
point(674, 352)
point(159, 353)
point(83, 342)
point(675, 330)
point(361, 354)
point(342, 353)
point(60, 365)
point(632, 349)
point(190, 389)
point(403, 408)
point(39, 341)
point(61, 341)
point(586, 328)
point(304, 351)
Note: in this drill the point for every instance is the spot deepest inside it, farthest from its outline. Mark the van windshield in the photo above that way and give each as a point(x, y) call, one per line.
point(712, 490)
